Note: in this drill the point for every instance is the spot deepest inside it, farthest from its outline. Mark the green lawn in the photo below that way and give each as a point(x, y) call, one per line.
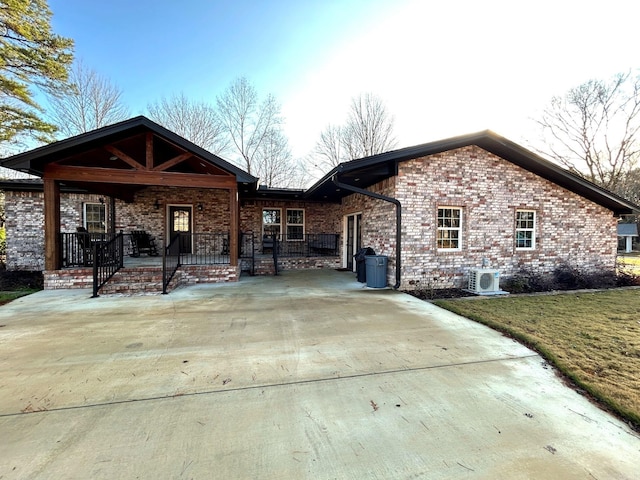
point(593, 338)
point(6, 297)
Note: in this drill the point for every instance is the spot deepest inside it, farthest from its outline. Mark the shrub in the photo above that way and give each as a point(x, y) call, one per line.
point(567, 277)
point(3, 242)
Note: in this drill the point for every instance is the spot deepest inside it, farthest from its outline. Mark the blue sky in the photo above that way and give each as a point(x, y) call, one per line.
point(443, 68)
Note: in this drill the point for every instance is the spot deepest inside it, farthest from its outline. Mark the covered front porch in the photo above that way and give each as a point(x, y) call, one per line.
point(159, 195)
point(114, 264)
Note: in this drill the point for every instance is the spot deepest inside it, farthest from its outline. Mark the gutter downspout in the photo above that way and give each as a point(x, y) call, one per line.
point(379, 196)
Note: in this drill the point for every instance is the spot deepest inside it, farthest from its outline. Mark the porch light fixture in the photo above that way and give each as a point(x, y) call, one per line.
point(101, 200)
point(200, 207)
point(157, 205)
point(113, 158)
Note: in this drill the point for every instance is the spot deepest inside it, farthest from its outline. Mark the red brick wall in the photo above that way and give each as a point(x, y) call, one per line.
point(319, 217)
point(24, 213)
point(489, 189)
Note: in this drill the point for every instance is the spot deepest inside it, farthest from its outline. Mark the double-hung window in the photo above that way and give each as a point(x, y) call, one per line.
point(525, 229)
point(271, 222)
point(95, 217)
point(295, 224)
point(449, 236)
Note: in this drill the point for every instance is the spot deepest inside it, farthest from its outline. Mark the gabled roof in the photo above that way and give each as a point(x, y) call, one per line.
point(34, 161)
point(367, 171)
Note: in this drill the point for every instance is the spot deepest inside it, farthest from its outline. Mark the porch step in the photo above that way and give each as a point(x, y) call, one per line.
point(135, 280)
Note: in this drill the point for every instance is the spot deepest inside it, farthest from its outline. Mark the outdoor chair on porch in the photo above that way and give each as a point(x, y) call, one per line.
point(84, 245)
point(268, 242)
point(142, 242)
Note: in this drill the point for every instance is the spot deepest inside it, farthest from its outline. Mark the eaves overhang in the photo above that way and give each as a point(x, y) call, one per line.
point(367, 171)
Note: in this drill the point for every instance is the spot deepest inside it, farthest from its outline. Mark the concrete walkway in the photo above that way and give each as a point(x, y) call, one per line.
point(305, 375)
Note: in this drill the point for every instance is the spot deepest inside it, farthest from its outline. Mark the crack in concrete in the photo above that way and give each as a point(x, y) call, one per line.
point(270, 385)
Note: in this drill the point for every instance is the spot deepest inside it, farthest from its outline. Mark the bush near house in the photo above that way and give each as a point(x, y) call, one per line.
point(3, 244)
point(564, 277)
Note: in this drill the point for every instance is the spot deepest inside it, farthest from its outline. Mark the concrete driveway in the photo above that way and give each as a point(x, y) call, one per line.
point(305, 375)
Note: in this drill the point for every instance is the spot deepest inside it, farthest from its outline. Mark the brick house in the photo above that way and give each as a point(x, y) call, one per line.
point(451, 206)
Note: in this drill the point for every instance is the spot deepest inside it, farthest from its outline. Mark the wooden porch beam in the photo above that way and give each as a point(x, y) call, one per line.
point(138, 177)
point(51, 224)
point(124, 157)
point(149, 150)
point(174, 161)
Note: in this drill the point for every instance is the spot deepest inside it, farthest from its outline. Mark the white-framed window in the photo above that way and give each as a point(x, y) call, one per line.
point(525, 229)
point(449, 236)
point(295, 224)
point(94, 217)
point(271, 221)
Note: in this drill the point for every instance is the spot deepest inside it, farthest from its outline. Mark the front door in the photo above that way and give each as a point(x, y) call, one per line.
point(180, 223)
point(353, 239)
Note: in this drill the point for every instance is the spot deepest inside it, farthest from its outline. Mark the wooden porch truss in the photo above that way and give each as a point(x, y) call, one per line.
point(121, 168)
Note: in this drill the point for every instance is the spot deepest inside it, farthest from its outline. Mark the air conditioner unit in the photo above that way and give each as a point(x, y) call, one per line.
point(485, 282)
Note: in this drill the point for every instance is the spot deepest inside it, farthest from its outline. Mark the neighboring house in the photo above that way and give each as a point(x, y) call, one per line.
point(437, 210)
point(626, 233)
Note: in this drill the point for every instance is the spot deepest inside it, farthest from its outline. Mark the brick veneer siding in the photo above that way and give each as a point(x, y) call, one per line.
point(569, 228)
point(142, 214)
point(319, 217)
point(378, 221)
point(24, 213)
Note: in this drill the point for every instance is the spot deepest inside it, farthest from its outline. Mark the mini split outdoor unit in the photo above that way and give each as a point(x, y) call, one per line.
point(485, 281)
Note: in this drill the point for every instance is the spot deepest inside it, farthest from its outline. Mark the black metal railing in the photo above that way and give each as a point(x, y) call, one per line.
point(170, 262)
point(247, 251)
point(307, 245)
point(204, 248)
point(77, 247)
point(108, 258)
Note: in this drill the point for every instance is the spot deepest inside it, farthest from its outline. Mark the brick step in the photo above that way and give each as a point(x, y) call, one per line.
point(134, 280)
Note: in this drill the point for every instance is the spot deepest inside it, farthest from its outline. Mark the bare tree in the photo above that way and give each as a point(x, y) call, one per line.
point(91, 102)
point(593, 129)
point(248, 122)
point(329, 151)
point(367, 131)
point(195, 121)
point(369, 128)
point(274, 164)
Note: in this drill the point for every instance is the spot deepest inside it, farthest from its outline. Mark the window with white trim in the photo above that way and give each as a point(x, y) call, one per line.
point(525, 229)
point(95, 217)
point(449, 236)
point(271, 222)
point(295, 224)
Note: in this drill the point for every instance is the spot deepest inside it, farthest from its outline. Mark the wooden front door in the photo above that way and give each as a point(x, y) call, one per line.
point(180, 223)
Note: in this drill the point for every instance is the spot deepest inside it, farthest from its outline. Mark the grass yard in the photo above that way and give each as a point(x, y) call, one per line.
point(593, 338)
point(628, 261)
point(6, 297)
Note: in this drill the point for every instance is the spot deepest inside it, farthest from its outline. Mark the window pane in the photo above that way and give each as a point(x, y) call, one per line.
point(449, 232)
point(271, 216)
point(95, 217)
point(525, 226)
point(294, 232)
point(272, 230)
point(181, 221)
point(295, 217)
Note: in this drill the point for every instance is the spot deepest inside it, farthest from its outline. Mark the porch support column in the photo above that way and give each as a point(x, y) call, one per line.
point(112, 215)
point(51, 224)
point(234, 222)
